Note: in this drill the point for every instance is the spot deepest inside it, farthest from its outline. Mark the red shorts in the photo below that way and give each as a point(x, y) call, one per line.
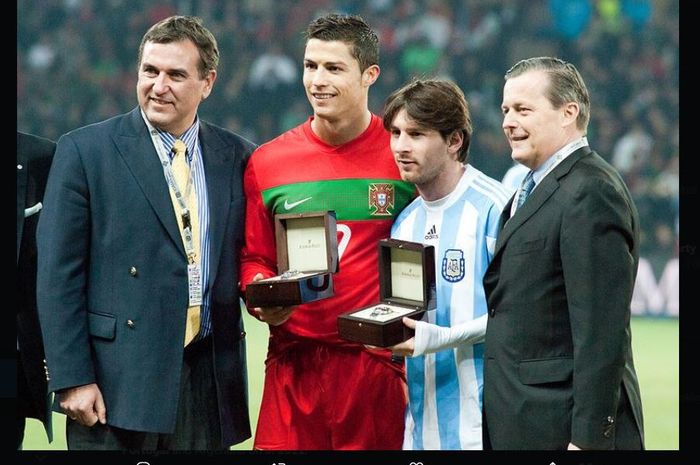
point(319, 396)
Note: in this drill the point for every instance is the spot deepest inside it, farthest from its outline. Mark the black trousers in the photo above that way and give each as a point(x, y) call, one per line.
point(197, 426)
point(24, 402)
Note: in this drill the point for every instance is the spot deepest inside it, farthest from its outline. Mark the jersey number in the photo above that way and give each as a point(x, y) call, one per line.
point(345, 234)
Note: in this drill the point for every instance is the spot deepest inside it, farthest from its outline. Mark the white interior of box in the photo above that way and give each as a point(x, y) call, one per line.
point(306, 244)
point(407, 274)
point(385, 313)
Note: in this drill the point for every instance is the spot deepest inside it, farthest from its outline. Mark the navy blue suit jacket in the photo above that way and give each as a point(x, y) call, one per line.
point(112, 280)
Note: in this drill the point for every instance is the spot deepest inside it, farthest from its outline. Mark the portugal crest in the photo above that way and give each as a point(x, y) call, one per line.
point(381, 198)
point(453, 265)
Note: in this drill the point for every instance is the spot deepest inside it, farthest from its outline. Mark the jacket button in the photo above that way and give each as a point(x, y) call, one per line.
point(492, 311)
point(242, 334)
point(611, 420)
point(130, 324)
point(133, 271)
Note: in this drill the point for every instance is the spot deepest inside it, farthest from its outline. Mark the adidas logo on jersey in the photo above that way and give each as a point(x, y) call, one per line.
point(431, 234)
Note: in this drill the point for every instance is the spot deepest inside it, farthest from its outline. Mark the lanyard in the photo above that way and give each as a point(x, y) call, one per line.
point(172, 184)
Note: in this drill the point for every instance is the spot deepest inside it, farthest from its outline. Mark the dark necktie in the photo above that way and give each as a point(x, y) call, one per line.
point(527, 186)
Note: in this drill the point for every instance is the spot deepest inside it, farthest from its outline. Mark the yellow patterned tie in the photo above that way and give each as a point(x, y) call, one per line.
point(181, 172)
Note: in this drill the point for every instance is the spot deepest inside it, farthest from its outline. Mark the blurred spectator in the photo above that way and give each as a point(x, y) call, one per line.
point(638, 12)
point(514, 176)
point(41, 55)
point(273, 76)
point(610, 12)
point(669, 287)
point(570, 17)
point(645, 297)
point(633, 150)
point(435, 25)
point(75, 66)
point(273, 69)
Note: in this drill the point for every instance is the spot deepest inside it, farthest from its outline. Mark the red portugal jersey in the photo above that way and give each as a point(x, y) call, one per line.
point(298, 172)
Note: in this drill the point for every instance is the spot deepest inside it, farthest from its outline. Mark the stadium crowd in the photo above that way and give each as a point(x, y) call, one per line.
point(75, 65)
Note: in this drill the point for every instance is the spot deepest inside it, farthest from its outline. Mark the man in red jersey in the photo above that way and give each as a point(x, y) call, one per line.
point(322, 392)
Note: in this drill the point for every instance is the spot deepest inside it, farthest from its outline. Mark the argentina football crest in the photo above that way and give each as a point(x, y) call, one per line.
point(453, 265)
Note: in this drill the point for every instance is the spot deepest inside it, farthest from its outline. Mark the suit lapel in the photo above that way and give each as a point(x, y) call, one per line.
point(539, 196)
point(216, 157)
point(134, 145)
point(505, 214)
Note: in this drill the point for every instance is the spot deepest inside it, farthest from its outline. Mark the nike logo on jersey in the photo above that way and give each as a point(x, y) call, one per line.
point(289, 205)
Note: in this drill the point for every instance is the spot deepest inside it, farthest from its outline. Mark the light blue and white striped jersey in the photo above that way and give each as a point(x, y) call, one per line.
point(445, 388)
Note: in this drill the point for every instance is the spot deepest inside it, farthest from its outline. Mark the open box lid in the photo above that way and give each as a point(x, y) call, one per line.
point(407, 274)
point(307, 242)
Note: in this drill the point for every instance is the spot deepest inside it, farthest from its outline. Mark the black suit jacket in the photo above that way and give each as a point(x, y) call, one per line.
point(34, 156)
point(112, 284)
point(558, 362)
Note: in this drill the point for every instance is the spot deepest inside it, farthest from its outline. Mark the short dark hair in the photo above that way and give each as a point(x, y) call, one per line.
point(434, 104)
point(178, 28)
point(350, 29)
point(565, 84)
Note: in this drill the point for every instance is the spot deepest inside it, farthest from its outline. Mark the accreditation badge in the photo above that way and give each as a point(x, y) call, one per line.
point(194, 278)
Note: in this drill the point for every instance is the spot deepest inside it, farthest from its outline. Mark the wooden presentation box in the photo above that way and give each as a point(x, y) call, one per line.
point(406, 288)
point(307, 256)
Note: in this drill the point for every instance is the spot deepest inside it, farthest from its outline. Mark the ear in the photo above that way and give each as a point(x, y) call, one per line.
point(570, 112)
point(208, 84)
point(454, 142)
point(370, 75)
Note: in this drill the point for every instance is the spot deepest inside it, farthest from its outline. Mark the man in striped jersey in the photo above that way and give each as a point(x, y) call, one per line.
point(322, 392)
point(457, 212)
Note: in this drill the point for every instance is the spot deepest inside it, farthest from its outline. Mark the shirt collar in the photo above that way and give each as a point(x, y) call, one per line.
point(557, 157)
point(190, 138)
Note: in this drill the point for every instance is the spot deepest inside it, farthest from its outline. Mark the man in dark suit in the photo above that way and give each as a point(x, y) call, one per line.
point(558, 369)
point(131, 257)
point(34, 156)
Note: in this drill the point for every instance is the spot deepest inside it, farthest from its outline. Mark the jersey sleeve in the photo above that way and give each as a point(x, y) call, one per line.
point(432, 338)
point(492, 228)
point(259, 254)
